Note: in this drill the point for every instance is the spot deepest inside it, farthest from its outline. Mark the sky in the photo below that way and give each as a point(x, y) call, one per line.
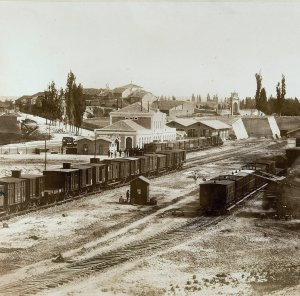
point(170, 48)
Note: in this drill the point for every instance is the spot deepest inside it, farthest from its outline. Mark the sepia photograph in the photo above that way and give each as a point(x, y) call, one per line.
point(150, 148)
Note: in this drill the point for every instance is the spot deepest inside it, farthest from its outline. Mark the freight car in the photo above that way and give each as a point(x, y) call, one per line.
point(228, 188)
point(20, 192)
point(190, 144)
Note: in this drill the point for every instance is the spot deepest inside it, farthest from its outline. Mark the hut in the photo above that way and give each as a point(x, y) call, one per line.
point(139, 191)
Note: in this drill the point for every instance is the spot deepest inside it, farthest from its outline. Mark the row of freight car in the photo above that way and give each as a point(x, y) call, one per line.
point(190, 144)
point(19, 191)
point(228, 188)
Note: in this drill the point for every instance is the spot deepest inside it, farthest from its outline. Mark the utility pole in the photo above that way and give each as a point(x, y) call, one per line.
point(95, 143)
point(45, 152)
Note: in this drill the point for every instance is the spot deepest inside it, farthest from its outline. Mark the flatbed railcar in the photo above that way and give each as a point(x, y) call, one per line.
point(20, 192)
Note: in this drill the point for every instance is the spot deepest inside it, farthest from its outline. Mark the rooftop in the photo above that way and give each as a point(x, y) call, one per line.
point(167, 104)
point(123, 125)
point(215, 124)
point(185, 121)
point(134, 109)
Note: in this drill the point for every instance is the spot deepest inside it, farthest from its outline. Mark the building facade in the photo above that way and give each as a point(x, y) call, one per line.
point(135, 125)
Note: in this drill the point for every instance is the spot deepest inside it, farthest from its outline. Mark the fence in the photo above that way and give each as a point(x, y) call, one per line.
point(28, 150)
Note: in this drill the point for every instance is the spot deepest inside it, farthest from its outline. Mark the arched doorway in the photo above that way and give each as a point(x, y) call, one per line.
point(117, 144)
point(235, 108)
point(128, 143)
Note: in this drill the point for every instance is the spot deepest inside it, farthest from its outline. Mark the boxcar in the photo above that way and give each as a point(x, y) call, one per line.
point(152, 162)
point(64, 180)
point(215, 195)
point(120, 167)
point(34, 188)
point(99, 172)
point(85, 176)
point(169, 159)
point(144, 164)
point(14, 191)
point(112, 169)
point(161, 162)
point(134, 165)
point(251, 178)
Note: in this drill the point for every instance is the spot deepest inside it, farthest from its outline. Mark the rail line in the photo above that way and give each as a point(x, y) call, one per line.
point(82, 268)
point(190, 162)
point(101, 262)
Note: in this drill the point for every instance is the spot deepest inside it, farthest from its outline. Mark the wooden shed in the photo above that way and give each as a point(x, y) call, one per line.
point(139, 191)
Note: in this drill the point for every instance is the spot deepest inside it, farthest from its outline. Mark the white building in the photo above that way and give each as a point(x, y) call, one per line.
point(135, 125)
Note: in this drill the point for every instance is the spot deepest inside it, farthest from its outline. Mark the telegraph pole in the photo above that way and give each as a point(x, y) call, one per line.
point(95, 144)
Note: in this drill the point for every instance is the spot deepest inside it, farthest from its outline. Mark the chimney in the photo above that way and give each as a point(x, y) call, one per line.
point(148, 106)
point(16, 174)
point(94, 160)
point(66, 165)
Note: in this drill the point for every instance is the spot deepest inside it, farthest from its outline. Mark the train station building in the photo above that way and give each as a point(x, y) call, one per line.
point(135, 125)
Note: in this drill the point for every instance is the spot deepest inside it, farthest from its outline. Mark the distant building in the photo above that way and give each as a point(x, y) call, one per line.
point(201, 127)
point(174, 108)
point(87, 145)
point(135, 125)
point(4, 106)
point(10, 128)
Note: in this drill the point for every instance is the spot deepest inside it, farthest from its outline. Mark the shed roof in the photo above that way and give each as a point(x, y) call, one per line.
point(107, 139)
point(142, 178)
point(185, 121)
point(11, 179)
point(123, 125)
point(215, 124)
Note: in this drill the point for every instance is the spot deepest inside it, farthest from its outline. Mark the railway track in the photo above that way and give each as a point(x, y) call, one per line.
point(190, 163)
point(138, 249)
point(71, 271)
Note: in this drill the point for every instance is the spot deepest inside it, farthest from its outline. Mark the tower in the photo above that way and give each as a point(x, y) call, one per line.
point(235, 103)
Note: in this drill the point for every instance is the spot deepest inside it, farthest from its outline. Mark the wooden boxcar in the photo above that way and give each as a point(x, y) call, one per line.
point(112, 169)
point(64, 180)
point(144, 165)
point(14, 191)
point(152, 162)
point(169, 159)
point(161, 162)
point(85, 175)
point(134, 165)
point(215, 195)
point(99, 172)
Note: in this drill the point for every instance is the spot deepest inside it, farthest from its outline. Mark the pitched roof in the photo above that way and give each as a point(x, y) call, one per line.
point(142, 178)
point(167, 104)
point(98, 138)
point(134, 108)
point(215, 124)
point(123, 125)
point(185, 121)
point(130, 85)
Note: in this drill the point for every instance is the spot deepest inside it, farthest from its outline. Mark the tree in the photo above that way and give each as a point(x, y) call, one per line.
point(208, 97)
point(193, 98)
point(258, 89)
point(281, 92)
point(263, 100)
point(75, 104)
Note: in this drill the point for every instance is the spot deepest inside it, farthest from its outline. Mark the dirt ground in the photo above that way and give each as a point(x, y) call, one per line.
point(238, 256)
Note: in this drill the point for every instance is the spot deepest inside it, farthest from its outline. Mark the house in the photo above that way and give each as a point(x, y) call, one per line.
point(135, 125)
point(174, 108)
point(103, 145)
point(201, 127)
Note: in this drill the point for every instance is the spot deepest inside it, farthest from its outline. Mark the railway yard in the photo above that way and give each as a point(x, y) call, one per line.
point(106, 248)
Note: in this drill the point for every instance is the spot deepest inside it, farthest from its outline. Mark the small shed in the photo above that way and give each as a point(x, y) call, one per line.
point(139, 191)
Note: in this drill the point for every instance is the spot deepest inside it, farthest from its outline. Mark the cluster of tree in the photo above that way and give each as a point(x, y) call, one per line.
point(215, 98)
point(196, 98)
point(271, 106)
